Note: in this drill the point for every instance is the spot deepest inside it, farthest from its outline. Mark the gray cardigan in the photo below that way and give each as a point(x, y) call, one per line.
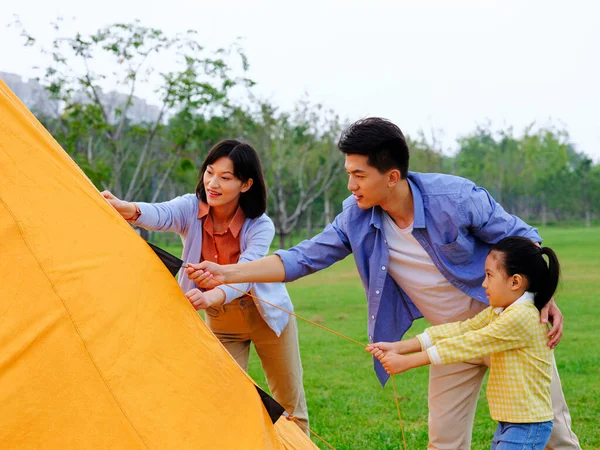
point(181, 216)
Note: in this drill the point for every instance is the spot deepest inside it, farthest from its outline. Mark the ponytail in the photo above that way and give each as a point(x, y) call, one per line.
point(547, 288)
point(522, 256)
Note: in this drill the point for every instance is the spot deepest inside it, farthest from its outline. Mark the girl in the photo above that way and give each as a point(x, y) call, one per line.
point(225, 222)
point(518, 283)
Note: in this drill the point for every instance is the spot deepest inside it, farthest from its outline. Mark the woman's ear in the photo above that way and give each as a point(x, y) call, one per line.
point(247, 185)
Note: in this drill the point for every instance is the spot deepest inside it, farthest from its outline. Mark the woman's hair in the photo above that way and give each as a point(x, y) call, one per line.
point(520, 255)
point(246, 165)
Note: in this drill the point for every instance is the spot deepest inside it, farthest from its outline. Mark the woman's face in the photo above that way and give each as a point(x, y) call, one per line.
point(221, 186)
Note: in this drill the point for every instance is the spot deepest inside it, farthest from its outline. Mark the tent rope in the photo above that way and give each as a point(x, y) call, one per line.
point(337, 334)
point(293, 418)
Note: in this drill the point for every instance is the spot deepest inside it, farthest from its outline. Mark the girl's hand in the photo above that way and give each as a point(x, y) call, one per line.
point(379, 349)
point(394, 363)
point(401, 347)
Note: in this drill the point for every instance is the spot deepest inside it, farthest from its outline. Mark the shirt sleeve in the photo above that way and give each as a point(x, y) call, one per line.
point(511, 330)
point(326, 248)
point(174, 215)
point(488, 219)
point(259, 243)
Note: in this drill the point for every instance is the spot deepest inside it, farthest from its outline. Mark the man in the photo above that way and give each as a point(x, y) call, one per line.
point(419, 242)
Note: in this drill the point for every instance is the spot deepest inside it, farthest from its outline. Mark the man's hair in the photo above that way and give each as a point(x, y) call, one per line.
point(380, 140)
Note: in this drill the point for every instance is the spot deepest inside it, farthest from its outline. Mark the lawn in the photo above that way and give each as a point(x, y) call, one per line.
point(350, 410)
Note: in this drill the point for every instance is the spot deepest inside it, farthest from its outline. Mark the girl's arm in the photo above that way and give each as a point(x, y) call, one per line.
point(395, 363)
point(448, 330)
point(510, 331)
point(407, 346)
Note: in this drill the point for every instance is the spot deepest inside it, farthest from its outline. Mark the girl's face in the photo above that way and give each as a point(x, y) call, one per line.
point(221, 186)
point(501, 290)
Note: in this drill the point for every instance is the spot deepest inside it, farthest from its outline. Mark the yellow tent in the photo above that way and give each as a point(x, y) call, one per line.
point(99, 348)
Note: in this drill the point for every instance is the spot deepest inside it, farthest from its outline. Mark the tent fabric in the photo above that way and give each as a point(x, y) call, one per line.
point(99, 348)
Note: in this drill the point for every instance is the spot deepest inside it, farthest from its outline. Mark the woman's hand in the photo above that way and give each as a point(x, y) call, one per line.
point(126, 209)
point(202, 300)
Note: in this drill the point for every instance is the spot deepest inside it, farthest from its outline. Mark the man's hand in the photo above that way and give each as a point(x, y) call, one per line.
point(206, 275)
point(551, 313)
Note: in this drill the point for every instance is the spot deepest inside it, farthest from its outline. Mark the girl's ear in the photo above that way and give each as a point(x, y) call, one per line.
point(516, 282)
point(247, 185)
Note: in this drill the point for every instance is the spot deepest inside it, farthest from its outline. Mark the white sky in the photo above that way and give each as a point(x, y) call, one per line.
point(446, 65)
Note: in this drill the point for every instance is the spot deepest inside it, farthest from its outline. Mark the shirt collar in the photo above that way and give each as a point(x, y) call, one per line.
point(235, 226)
point(527, 297)
point(418, 208)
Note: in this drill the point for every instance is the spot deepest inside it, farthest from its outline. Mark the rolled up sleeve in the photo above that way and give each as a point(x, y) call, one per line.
point(326, 248)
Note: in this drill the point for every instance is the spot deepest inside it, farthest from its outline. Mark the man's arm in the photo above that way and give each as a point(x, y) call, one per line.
point(489, 221)
point(265, 270)
point(309, 256)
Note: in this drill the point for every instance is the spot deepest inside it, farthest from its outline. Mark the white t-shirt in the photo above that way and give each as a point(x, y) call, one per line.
point(413, 270)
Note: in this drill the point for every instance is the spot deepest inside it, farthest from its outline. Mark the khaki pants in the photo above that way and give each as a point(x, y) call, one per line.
point(238, 323)
point(453, 393)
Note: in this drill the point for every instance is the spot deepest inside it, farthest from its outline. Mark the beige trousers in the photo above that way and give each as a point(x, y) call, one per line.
point(238, 323)
point(453, 393)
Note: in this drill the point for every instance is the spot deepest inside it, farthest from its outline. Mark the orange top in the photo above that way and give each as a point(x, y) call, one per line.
point(222, 247)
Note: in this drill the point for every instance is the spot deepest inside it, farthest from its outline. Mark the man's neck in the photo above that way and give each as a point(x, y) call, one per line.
point(400, 206)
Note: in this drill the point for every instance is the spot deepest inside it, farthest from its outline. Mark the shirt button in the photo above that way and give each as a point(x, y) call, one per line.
point(372, 316)
point(370, 337)
point(385, 241)
point(216, 256)
point(377, 292)
point(382, 267)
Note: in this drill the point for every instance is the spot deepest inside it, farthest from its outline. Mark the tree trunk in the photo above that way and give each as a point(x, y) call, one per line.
point(327, 209)
point(282, 236)
point(588, 216)
point(544, 210)
point(309, 222)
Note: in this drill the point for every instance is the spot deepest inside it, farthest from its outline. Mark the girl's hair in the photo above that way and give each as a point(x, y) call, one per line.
point(520, 255)
point(246, 165)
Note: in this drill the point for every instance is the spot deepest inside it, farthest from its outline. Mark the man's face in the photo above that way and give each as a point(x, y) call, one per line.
point(368, 186)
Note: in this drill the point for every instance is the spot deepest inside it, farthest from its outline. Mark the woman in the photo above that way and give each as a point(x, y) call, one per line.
point(225, 222)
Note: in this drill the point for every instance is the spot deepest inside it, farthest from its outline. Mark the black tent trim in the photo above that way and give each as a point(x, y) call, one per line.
point(274, 409)
point(173, 263)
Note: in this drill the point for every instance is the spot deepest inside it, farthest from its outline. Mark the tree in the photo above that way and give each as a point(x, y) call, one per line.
point(99, 127)
point(300, 157)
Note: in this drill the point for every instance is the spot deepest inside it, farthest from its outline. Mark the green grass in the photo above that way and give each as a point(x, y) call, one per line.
point(350, 410)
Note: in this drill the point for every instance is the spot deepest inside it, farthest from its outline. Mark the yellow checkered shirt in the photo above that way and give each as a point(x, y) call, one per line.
point(518, 388)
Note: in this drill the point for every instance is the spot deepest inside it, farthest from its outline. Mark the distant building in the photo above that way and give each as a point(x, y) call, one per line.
point(38, 100)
